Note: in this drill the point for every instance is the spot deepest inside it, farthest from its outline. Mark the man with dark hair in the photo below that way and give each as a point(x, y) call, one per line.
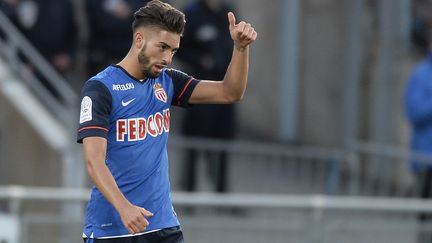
point(124, 124)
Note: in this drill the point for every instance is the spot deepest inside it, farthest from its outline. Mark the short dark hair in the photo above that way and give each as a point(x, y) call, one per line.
point(159, 14)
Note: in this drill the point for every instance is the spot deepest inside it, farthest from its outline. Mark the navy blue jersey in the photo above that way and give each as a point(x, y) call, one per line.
point(134, 117)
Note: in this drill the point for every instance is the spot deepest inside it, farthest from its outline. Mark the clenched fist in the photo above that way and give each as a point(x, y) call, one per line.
point(135, 218)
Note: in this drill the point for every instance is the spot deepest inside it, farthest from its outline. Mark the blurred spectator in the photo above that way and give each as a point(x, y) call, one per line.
point(110, 26)
point(50, 26)
point(418, 108)
point(206, 52)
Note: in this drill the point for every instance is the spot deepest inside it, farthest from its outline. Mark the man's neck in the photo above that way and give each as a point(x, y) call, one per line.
point(132, 67)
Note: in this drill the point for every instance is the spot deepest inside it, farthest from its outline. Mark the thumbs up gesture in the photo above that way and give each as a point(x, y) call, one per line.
point(243, 34)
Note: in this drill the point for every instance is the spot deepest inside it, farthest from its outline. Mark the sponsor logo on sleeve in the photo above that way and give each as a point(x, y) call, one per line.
point(86, 110)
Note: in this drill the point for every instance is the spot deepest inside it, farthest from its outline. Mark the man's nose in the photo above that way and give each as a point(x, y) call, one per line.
point(167, 58)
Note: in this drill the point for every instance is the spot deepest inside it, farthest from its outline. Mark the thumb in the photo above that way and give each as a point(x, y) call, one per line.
point(231, 19)
point(146, 213)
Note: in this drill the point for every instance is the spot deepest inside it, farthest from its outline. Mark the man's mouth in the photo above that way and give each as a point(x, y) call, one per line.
point(159, 66)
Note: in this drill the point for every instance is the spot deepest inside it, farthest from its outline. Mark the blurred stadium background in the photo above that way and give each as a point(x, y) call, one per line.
point(322, 149)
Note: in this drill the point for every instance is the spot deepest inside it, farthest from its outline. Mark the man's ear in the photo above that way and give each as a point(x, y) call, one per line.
point(138, 40)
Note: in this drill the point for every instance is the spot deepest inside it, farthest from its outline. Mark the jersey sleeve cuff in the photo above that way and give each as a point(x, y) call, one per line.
point(93, 131)
point(183, 99)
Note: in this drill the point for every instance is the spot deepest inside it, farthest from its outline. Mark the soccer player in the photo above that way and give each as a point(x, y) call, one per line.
point(125, 120)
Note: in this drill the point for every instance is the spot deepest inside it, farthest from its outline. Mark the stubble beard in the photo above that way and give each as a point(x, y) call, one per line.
point(144, 62)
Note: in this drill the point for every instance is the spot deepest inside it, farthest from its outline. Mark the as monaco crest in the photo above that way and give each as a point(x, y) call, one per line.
point(160, 92)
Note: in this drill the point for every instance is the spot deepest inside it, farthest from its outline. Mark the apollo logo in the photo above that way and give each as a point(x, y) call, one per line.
point(136, 129)
point(123, 87)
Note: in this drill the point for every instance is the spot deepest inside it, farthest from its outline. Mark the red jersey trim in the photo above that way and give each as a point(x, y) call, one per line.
point(184, 89)
point(93, 127)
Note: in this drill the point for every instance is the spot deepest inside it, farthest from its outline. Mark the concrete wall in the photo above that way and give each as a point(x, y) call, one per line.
point(322, 72)
point(25, 159)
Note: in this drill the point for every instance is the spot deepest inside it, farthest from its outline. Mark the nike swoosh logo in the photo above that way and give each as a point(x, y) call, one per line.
point(127, 102)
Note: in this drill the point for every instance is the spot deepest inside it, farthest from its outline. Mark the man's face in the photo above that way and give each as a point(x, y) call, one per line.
point(157, 51)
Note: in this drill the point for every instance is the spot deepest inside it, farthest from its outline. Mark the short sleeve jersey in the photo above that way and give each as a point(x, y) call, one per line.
point(134, 117)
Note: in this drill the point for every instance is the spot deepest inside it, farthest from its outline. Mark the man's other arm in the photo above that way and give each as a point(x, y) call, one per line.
point(133, 217)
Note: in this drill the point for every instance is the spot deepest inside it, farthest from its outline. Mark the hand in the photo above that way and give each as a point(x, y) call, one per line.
point(134, 218)
point(243, 34)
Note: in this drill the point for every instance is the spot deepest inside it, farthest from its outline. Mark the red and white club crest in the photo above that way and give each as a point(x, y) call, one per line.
point(160, 92)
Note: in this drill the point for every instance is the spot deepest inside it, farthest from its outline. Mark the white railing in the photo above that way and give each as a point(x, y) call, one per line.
point(316, 226)
point(17, 194)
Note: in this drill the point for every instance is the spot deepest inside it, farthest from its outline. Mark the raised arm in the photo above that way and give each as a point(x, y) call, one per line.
point(233, 86)
point(133, 217)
